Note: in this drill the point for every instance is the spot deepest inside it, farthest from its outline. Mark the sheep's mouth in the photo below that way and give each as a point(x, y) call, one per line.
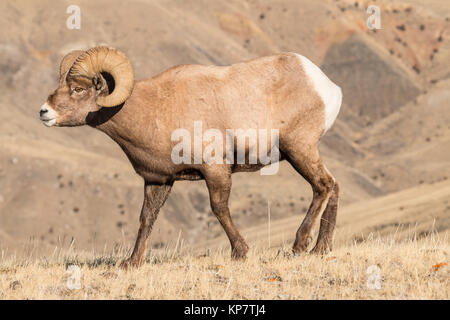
point(48, 122)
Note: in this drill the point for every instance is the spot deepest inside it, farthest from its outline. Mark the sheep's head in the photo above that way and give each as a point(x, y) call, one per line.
point(89, 80)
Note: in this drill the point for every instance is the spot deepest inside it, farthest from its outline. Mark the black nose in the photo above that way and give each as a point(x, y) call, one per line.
point(42, 112)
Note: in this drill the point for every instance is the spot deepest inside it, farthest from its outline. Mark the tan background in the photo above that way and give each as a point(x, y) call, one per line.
point(389, 147)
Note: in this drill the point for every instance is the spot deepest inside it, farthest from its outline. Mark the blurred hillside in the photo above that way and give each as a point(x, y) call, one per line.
point(64, 185)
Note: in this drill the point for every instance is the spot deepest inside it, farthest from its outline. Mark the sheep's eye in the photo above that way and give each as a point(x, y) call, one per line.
point(78, 89)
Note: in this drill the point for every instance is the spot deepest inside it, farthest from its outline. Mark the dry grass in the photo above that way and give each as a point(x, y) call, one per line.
point(411, 269)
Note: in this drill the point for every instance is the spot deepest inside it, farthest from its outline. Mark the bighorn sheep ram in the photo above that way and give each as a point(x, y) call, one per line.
point(285, 91)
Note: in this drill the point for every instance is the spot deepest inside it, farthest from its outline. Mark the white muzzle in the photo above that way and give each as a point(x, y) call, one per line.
point(47, 115)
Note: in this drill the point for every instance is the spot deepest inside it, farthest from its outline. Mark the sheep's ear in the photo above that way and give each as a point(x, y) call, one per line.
point(99, 84)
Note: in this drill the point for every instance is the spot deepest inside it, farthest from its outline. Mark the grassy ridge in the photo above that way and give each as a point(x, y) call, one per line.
point(382, 268)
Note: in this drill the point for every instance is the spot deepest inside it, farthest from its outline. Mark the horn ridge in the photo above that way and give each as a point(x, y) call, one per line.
point(110, 60)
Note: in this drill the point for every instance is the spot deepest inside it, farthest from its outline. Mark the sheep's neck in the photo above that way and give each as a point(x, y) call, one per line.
point(113, 122)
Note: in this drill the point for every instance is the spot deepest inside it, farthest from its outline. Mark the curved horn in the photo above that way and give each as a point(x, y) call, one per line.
point(112, 61)
point(68, 61)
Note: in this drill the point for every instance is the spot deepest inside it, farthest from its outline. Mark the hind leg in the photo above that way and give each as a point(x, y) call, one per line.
point(327, 223)
point(310, 166)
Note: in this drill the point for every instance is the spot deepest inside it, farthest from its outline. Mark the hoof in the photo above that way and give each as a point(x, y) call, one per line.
point(321, 249)
point(239, 252)
point(129, 264)
point(238, 256)
point(301, 246)
point(298, 250)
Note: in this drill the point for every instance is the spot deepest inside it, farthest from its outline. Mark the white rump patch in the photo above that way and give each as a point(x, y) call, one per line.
point(329, 92)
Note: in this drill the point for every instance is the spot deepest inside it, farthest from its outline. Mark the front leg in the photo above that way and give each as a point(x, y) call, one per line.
point(218, 181)
point(154, 198)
